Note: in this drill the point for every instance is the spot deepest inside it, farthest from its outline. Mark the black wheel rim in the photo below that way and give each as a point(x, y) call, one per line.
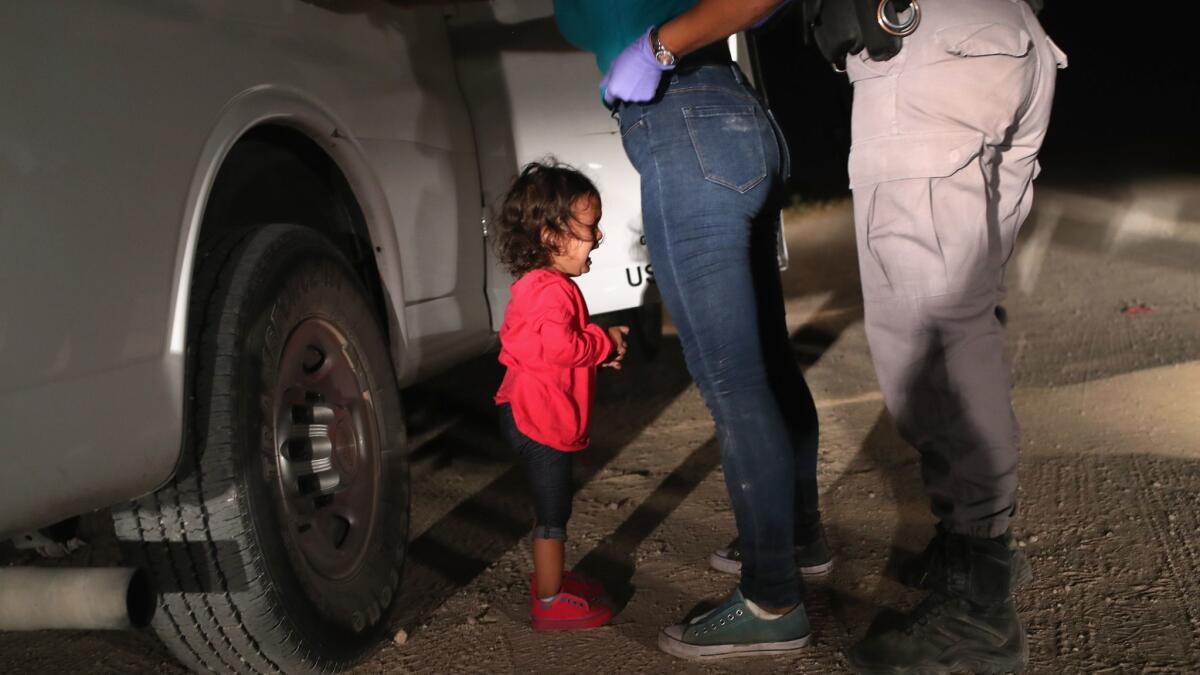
point(327, 451)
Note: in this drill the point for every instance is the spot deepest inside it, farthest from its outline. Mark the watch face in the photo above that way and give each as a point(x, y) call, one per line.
point(666, 58)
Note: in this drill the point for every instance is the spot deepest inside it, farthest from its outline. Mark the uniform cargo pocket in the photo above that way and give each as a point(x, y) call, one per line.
point(921, 155)
point(728, 143)
point(985, 39)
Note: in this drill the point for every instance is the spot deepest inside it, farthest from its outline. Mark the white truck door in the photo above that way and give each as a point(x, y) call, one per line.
point(532, 95)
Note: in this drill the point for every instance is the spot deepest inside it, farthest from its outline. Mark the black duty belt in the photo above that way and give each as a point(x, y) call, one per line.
point(715, 54)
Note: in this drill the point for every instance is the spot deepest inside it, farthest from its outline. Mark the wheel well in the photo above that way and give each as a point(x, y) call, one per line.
point(276, 174)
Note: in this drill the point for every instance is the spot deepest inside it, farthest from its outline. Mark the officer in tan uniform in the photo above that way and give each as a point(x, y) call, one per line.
point(951, 102)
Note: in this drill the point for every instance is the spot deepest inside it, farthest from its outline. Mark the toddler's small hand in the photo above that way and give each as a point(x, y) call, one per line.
point(618, 333)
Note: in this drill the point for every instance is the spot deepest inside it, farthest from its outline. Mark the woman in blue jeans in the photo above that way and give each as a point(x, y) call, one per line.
point(712, 163)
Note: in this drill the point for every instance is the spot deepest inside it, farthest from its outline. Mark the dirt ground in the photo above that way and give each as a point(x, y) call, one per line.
point(1104, 325)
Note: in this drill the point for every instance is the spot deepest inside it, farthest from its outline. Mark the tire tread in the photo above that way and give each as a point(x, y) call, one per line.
point(213, 631)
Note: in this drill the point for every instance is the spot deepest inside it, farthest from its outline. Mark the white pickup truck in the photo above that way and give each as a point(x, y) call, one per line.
point(230, 232)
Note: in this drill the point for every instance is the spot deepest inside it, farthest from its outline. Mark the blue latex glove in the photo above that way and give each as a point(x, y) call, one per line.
point(635, 73)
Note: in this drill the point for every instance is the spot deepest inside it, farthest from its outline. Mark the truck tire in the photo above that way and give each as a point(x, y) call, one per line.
point(277, 546)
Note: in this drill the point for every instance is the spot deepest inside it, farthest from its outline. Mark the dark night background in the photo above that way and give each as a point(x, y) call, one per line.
point(1126, 105)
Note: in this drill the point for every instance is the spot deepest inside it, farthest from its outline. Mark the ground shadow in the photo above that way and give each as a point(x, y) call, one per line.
point(478, 531)
point(612, 562)
point(497, 517)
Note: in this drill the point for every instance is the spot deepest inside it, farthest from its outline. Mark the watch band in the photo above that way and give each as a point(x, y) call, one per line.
point(664, 56)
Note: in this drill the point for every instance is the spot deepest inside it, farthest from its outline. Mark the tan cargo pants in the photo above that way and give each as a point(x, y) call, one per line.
point(945, 142)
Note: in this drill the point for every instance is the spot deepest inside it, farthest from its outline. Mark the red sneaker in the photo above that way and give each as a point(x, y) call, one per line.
point(574, 583)
point(568, 612)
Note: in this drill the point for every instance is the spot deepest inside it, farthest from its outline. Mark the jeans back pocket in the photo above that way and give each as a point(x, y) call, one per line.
point(728, 143)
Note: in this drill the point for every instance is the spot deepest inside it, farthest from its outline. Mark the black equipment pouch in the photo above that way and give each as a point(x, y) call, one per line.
point(843, 27)
point(833, 26)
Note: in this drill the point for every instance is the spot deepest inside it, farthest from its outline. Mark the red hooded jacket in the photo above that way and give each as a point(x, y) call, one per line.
point(551, 349)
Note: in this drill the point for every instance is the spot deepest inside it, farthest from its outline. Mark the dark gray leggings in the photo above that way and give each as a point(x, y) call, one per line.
point(549, 474)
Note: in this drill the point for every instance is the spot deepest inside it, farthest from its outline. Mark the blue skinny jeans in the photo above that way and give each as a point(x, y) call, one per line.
point(712, 161)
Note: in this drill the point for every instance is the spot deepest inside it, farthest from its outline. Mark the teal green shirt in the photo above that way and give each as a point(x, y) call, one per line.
point(605, 27)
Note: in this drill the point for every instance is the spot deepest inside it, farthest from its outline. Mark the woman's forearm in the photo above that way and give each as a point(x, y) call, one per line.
point(711, 20)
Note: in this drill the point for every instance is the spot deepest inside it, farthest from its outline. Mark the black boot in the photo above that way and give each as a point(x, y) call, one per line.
point(917, 572)
point(968, 622)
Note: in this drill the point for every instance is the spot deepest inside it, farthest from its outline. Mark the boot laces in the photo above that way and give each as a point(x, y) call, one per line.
point(928, 611)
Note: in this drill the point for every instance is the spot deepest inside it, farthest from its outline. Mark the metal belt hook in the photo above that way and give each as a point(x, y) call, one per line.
point(898, 29)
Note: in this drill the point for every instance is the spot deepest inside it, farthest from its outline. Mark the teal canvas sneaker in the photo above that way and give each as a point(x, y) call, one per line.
point(813, 559)
point(732, 630)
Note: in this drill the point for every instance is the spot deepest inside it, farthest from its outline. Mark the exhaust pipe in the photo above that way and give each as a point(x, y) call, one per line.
point(87, 598)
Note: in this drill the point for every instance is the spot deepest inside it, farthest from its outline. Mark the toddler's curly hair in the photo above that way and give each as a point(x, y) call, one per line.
point(539, 199)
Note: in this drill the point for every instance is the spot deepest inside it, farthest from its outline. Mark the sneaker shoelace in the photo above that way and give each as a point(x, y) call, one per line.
point(717, 624)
